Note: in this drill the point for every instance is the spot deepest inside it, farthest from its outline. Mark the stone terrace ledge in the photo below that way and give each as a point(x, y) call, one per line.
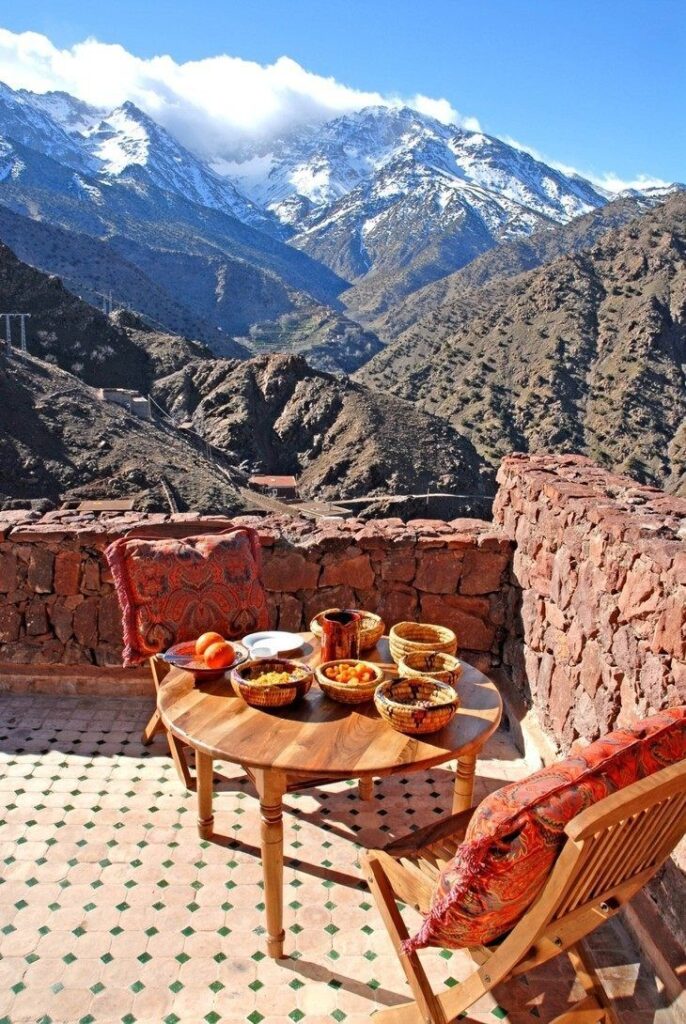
point(59, 619)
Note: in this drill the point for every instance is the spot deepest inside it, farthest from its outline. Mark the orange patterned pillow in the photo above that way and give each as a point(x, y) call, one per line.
point(172, 590)
point(516, 833)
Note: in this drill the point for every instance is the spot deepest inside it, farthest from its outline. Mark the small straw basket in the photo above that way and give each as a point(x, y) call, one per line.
point(420, 638)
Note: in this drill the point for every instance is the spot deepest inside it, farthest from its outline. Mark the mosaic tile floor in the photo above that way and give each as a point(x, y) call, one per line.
point(112, 909)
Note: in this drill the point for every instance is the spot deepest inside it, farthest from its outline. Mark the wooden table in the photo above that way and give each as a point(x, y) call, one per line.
point(313, 741)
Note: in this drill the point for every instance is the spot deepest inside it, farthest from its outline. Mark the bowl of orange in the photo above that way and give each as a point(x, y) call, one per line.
point(208, 656)
point(349, 681)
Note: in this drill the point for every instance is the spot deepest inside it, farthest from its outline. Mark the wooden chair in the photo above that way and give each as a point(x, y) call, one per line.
point(612, 849)
point(177, 748)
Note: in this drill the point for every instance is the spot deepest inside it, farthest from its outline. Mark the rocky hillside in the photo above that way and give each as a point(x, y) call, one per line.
point(341, 439)
point(70, 333)
point(507, 259)
point(585, 354)
point(58, 441)
point(92, 268)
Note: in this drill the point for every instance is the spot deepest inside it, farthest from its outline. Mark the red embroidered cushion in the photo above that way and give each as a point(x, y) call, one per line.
point(516, 833)
point(175, 589)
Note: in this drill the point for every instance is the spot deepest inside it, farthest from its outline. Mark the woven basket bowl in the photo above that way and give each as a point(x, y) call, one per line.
point(446, 668)
point(420, 638)
point(346, 693)
point(371, 627)
point(391, 697)
point(276, 696)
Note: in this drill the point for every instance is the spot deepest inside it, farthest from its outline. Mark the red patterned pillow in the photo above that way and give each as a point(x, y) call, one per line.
point(175, 589)
point(516, 833)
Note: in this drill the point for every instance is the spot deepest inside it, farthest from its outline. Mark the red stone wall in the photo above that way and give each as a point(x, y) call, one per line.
point(597, 623)
point(597, 634)
point(58, 606)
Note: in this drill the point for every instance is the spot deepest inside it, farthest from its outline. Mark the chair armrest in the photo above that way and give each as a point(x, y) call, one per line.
point(454, 826)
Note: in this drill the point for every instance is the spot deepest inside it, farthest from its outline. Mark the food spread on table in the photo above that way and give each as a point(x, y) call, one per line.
point(346, 680)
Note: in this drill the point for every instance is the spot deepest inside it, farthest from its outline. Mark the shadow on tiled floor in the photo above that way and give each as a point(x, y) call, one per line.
point(112, 909)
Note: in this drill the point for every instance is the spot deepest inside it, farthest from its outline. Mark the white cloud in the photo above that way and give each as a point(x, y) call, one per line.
point(607, 180)
point(210, 105)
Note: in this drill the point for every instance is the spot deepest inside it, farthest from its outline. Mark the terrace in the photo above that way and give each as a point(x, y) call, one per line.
point(572, 600)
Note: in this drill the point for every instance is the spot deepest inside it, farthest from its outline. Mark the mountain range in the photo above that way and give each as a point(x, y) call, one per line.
point(382, 193)
point(480, 299)
point(213, 418)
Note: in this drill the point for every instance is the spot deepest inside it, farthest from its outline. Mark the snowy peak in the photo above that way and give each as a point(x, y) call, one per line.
point(357, 164)
point(73, 115)
point(130, 145)
point(323, 164)
point(121, 140)
point(24, 121)
point(375, 190)
point(125, 144)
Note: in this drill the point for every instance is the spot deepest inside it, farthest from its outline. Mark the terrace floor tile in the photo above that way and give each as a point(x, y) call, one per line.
point(113, 911)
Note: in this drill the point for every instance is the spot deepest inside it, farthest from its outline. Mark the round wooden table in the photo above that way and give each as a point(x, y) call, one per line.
point(315, 740)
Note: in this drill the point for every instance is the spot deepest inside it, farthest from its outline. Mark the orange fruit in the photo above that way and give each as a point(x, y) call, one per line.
point(206, 640)
point(219, 655)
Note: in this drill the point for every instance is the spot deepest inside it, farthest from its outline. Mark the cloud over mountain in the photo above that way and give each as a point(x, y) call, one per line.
point(211, 105)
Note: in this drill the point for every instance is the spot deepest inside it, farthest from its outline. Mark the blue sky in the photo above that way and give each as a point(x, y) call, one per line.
point(596, 84)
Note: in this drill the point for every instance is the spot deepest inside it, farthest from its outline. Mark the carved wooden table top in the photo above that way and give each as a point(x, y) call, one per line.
point(317, 736)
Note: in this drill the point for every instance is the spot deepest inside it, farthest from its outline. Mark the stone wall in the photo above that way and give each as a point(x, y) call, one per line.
point(597, 623)
point(58, 607)
point(597, 630)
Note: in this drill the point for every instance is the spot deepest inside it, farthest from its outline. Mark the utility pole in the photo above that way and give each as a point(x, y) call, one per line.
point(22, 329)
point(107, 302)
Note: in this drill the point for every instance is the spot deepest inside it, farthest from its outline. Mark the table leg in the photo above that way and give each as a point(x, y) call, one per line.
point(365, 788)
point(463, 795)
point(271, 787)
point(203, 772)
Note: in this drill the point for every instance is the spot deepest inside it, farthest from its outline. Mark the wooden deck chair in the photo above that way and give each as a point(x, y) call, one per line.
point(177, 748)
point(612, 849)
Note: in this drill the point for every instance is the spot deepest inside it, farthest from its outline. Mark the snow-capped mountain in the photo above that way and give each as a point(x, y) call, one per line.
point(29, 123)
point(387, 198)
point(321, 164)
point(370, 191)
point(124, 145)
point(129, 145)
point(72, 114)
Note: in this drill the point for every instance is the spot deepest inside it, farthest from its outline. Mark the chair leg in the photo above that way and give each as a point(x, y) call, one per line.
point(177, 749)
point(152, 728)
point(365, 788)
point(426, 1009)
point(592, 985)
point(585, 1012)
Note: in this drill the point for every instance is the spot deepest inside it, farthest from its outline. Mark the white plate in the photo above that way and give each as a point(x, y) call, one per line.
point(276, 640)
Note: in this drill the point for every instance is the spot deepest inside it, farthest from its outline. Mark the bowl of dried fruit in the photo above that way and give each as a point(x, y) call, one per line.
point(417, 705)
point(271, 682)
point(349, 681)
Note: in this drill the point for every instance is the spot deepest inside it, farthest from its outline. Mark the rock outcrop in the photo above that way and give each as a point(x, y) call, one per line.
point(585, 354)
point(340, 438)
